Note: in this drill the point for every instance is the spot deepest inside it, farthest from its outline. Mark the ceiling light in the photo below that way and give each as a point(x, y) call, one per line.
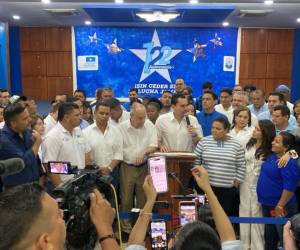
point(268, 2)
point(158, 16)
point(16, 17)
point(225, 24)
point(119, 1)
point(88, 22)
point(46, 1)
point(298, 20)
point(193, 1)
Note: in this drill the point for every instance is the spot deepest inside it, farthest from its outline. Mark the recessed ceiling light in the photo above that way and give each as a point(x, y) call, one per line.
point(88, 22)
point(298, 20)
point(16, 17)
point(193, 1)
point(225, 24)
point(46, 1)
point(268, 2)
point(119, 1)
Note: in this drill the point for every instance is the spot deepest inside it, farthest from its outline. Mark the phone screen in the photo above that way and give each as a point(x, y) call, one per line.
point(59, 167)
point(187, 212)
point(157, 169)
point(158, 235)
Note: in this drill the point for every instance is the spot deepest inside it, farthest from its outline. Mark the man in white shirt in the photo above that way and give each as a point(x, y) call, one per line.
point(105, 140)
point(117, 114)
point(176, 130)
point(139, 140)
point(225, 106)
point(51, 119)
point(65, 142)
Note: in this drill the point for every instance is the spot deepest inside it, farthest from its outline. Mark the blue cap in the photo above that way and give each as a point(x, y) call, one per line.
point(282, 87)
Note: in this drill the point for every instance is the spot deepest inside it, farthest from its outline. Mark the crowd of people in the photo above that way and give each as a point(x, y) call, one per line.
point(246, 145)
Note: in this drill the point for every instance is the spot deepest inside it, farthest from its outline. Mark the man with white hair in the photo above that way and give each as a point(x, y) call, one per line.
point(139, 140)
point(240, 99)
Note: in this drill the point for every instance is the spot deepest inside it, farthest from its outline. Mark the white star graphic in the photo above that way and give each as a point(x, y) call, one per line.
point(163, 70)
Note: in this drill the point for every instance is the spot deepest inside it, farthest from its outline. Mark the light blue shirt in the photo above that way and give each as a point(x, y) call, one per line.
point(267, 116)
point(289, 129)
point(262, 109)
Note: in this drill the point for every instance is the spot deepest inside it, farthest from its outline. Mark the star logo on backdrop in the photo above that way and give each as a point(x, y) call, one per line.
point(144, 53)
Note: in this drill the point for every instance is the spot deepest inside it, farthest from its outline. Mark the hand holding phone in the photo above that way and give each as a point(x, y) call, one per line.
point(187, 212)
point(158, 235)
point(158, 172)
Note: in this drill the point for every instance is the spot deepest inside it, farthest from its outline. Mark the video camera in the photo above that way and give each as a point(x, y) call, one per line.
point(73, 198)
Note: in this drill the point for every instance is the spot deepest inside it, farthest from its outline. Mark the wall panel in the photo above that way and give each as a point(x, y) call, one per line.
point(253, 65)
point(59, 64)
point(33, 39)
point(254, 41)
point(58, 39)
point(266, 57)
point(59, 85)
point(35, 87)
point(46, 60)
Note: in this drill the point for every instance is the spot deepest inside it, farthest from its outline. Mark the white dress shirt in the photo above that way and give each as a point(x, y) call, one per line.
point(175, 135)
point(105, 146)
point(135, 141)
point(228, 112)
point(124, 117)
point(61, 145)
point(49, 123)
point(243, 136)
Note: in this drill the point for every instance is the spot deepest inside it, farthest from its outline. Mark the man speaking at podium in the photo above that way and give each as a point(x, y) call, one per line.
point(176, 130)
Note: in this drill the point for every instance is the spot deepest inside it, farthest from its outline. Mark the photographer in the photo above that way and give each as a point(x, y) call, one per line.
point(31, 219)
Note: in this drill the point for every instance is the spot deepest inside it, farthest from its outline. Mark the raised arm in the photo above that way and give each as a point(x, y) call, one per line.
point(222, 222)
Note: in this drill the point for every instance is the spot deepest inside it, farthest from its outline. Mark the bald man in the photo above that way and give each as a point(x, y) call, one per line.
point(139, 140)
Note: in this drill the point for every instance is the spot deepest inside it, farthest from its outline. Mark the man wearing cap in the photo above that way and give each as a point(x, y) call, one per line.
point(285, 91)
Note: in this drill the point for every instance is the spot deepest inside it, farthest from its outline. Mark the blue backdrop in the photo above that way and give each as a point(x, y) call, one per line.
point(151, 59)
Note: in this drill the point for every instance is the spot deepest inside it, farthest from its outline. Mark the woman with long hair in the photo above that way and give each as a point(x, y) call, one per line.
point(258, 149)
point(276, 187)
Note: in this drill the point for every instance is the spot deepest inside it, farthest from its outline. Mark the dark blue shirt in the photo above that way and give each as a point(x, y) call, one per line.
point(206, 120)
point(12, 145)
point(273, 180)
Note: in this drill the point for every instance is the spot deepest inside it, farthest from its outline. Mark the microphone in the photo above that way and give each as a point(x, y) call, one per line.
point(11, 166)
point(188, 122)
point(174, 176)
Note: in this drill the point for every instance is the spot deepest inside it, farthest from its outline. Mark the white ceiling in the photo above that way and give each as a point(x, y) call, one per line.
point(284, 13)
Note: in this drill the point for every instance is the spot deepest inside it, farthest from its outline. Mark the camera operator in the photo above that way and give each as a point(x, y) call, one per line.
point(31, 219)
point(65, 142)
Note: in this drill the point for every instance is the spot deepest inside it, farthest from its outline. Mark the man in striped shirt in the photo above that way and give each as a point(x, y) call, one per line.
point(224, 159)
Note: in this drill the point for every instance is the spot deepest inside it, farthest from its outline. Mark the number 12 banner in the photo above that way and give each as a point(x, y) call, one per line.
point(151, 59)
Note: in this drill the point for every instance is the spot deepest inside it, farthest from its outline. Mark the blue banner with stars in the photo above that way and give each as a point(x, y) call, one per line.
point(151, 59)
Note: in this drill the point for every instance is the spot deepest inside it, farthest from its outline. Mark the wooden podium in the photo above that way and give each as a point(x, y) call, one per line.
point(179, 163)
